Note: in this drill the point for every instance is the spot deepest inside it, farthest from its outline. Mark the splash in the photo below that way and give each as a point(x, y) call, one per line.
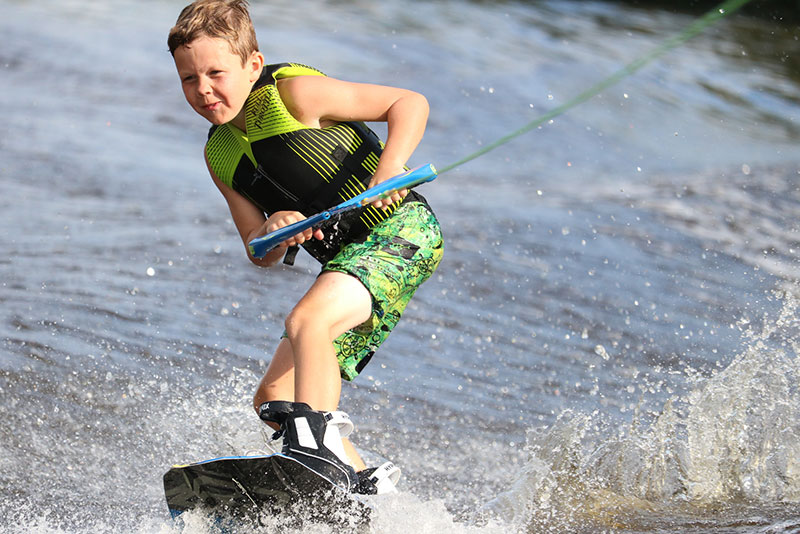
point(733, 440)
point(744, 425)
point(193, 424)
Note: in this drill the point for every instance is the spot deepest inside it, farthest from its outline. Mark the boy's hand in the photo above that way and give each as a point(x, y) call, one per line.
point(381, 176)
point(280, 219)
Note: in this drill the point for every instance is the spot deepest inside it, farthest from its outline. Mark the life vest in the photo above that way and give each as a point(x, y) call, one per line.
point(281, 164)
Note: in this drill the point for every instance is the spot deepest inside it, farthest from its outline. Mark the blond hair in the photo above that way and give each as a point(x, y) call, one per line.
point(219, 19)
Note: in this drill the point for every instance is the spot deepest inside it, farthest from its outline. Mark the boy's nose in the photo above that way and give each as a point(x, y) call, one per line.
point(203, 87)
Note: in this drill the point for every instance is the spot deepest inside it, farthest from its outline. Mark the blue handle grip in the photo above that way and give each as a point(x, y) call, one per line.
point(416, 176)
point(261, 245)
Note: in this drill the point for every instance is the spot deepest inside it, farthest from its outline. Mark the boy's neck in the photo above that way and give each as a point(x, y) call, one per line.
point(240, 120)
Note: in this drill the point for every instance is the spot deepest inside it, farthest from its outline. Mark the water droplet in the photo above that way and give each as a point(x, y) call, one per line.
point(600, 350)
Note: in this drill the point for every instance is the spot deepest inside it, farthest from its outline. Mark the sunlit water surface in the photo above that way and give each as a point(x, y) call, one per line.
point(610, 344)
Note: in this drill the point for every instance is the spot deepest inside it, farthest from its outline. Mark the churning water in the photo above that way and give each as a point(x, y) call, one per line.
point(610, 344)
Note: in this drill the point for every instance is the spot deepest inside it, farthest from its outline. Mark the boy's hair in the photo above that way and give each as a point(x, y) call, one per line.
point(219, 19)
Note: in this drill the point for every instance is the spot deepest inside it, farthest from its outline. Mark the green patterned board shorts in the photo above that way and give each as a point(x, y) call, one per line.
point(396, 257)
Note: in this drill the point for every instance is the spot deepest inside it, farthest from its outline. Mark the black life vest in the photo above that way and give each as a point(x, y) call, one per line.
point(281, 164)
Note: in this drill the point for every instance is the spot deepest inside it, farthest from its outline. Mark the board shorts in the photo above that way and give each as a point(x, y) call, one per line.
point(392, 261)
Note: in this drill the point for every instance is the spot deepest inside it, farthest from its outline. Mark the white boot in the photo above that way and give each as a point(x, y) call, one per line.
point(378, 480)
point(314, 439)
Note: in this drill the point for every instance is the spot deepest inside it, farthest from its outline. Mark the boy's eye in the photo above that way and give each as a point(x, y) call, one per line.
point(187, 79)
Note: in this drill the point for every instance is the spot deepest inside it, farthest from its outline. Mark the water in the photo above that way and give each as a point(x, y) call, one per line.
point(610, 344)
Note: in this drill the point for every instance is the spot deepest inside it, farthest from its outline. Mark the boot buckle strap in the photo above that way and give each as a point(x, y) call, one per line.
point(342, 421)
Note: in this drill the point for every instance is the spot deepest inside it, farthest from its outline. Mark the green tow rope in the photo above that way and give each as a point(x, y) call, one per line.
point(719, 12)
point(261, 245)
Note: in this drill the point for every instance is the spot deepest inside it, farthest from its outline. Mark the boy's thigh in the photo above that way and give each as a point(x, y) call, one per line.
point(338, 301)
point(392, 262)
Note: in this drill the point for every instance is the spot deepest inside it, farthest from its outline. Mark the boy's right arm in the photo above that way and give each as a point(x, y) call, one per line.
point(251, 223)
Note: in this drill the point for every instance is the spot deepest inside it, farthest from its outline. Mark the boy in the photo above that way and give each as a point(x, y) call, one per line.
point(288, 142)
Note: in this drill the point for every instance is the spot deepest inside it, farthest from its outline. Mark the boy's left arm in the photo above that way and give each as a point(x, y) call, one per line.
point(317, 101)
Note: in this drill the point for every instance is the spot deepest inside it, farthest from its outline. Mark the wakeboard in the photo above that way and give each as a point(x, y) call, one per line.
point(249, 486)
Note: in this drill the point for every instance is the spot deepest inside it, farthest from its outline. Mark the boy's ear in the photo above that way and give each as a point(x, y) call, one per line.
point(255, 64)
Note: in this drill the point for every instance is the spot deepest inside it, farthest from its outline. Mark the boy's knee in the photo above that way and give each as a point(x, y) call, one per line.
point(292, 324)
point(298, 319)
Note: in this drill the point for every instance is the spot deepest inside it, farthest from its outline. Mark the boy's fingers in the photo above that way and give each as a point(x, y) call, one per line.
point(306, 235)
point(295, 240)
point(384, 203)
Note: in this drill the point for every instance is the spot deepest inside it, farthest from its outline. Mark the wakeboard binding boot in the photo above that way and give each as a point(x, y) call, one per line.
point(378, 480)
point(314, 439)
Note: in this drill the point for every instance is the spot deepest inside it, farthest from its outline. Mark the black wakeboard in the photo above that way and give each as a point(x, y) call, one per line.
point(275, 484)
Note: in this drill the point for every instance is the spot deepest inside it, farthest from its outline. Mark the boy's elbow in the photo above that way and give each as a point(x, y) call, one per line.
point(422, 103)
point(411, 100)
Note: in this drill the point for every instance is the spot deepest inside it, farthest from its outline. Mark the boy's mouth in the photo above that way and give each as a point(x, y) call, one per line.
point(212, 107)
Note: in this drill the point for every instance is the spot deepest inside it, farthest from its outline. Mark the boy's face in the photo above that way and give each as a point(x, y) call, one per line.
point(214, 81)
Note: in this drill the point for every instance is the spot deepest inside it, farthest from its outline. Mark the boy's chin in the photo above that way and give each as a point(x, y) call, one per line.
point(216, 121)
point(213, 118)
